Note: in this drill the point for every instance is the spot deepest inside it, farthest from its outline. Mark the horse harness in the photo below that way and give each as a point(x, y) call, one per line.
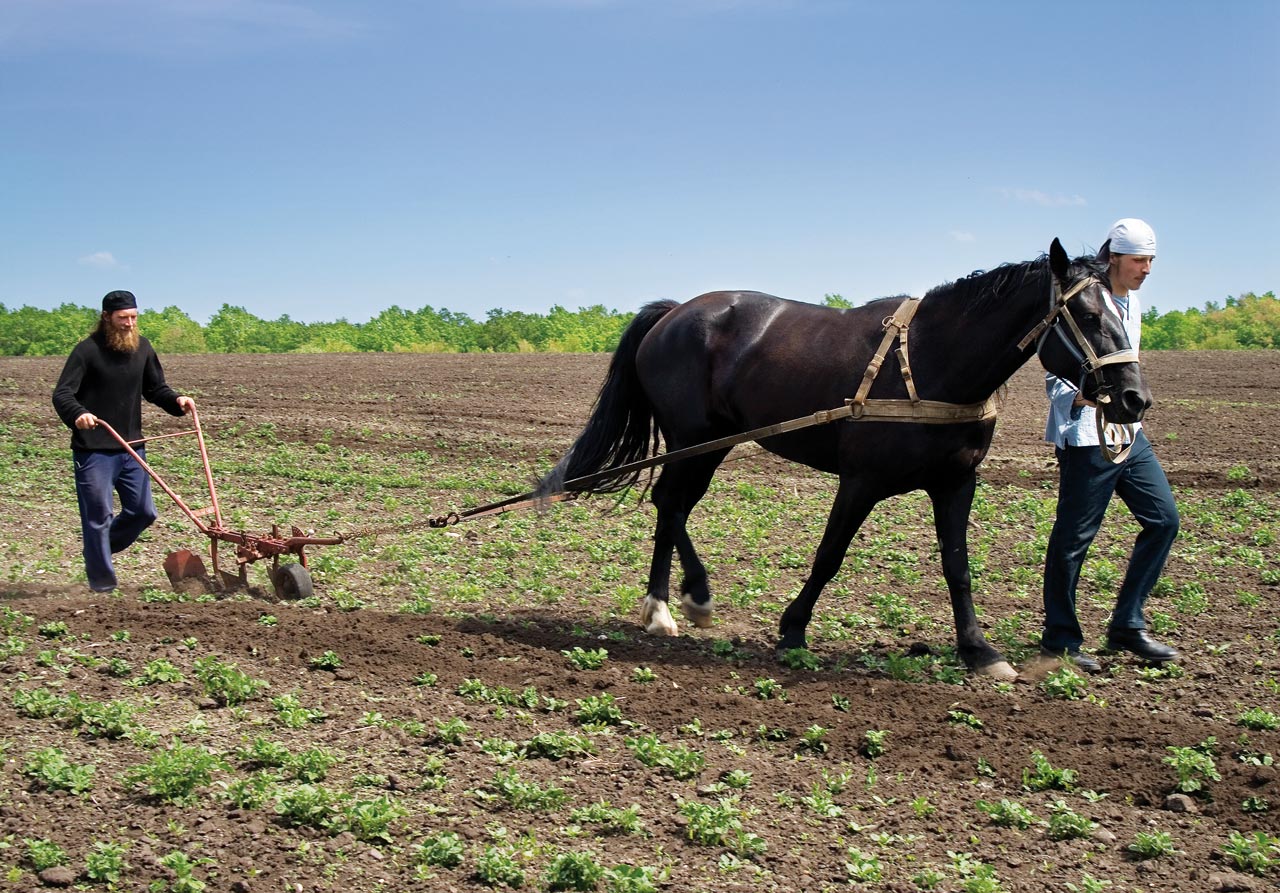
point(913, 409)
point(860, 407)
point(1090, 364)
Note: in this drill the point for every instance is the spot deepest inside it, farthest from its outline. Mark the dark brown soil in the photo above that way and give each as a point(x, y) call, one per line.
point(1214, 425)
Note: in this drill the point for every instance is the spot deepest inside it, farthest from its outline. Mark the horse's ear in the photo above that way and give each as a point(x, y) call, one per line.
point(1104, 253)
point(1058, 260)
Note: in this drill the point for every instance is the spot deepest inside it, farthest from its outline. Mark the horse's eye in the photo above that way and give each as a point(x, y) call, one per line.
point(1090, 320)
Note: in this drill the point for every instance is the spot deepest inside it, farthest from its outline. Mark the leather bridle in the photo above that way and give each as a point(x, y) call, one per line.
point(1078, 346)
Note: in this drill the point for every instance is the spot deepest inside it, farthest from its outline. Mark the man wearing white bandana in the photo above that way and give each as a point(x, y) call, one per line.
point(1087, 479)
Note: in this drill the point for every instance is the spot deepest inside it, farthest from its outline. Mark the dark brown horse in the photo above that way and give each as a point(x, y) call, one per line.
point(729, 362)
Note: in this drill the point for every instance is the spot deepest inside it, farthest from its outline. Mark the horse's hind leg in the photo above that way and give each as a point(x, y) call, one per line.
point(951, 506)
point(695, 594)
point(675, 494)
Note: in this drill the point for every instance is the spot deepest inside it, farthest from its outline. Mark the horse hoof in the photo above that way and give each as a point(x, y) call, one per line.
point(1001, 671)
point(700, 615)
point(655, 616)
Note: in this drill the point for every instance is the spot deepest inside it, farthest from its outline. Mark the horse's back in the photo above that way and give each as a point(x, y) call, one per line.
point(738, 342)
point(729, 361)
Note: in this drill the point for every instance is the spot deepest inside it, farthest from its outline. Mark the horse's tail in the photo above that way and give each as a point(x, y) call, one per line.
point(621, 428)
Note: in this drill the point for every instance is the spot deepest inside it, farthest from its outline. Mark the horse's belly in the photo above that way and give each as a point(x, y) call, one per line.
point(816, 451)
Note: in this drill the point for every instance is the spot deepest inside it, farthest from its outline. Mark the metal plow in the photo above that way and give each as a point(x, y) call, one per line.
point(187, 571)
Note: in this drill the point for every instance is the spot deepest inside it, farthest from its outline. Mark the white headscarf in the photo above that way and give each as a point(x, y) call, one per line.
point(1132, 236)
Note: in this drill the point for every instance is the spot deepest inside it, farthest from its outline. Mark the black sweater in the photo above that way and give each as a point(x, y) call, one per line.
point(111, 385)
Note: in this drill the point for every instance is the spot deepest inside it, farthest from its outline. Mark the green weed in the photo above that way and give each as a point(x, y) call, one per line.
point(598, 710)
point(863, 868)
point(327, 661)
point(874, 743)
point(721, 825)
point(225, 682)
point(50, 767)
point(444, 850)
point(1259, 720)
point(1256, 853)
point(523, 794)
point(610, 819)
point(1064, 824)
point(573, 871)
point(43, 853)
point(1152, 845)
point(1007, 813)
point(1042, 776)
point(558, 746)
point(500, 866)
point(104, 863)
point(174, 773)
point(680, 761)
point(586, 660)
point(1193, 766)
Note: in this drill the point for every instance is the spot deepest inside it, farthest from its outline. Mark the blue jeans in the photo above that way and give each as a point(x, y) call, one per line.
point(98, 473)
point(1086, 482)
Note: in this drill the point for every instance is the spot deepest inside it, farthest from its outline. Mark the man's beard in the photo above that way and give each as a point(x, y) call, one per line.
point(123, 340)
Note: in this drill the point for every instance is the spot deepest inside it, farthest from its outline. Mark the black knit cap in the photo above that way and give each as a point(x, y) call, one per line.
point(118, 300)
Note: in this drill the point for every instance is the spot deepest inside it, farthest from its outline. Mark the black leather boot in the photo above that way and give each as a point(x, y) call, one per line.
point(1136, 641)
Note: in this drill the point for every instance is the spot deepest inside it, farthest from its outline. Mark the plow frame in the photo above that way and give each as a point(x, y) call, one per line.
point(290, 580)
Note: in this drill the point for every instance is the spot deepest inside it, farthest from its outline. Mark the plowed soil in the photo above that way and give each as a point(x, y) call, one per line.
point(459, 425)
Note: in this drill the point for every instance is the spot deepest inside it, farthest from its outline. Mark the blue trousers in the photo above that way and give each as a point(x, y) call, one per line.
point(1086, 482)
point(97, 475)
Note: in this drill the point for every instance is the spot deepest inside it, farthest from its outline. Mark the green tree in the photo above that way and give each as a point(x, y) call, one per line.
point(593, 329)
point(172, 331)
point(30, 332)
point(394, 329)
point(513, 332)
point(232, 330)
point(330, 337)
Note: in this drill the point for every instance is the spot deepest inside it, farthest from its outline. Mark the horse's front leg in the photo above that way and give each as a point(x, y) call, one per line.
point(951, 507)
point(852, 504)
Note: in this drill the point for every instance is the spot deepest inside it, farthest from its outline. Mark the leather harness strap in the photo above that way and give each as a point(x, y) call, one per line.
point(913, 409)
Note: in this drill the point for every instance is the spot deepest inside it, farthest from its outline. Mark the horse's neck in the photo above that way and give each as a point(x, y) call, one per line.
point(976, 353)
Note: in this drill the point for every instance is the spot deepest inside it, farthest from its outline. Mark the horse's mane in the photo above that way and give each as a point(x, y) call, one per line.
point(981, 287)
point(890, 302)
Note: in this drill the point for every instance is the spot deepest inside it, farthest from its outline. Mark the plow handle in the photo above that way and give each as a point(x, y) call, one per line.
point(128, 446)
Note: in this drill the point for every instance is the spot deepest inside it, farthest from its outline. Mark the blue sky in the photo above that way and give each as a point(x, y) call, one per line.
point(330, 159)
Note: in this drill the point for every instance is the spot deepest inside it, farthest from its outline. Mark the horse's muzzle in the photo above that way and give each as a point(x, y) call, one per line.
point(1131, 405)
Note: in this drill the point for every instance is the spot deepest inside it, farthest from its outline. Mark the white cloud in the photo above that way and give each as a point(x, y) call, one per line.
point(102, 260)
point(962, 236)
point(1044, 199)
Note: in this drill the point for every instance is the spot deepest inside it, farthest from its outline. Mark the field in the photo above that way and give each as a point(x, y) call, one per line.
point(477, 706)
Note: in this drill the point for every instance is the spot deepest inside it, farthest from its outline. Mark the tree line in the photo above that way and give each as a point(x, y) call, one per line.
point(1249, 321)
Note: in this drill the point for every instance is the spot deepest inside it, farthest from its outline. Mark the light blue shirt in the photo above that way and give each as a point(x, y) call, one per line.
point(1069, 425)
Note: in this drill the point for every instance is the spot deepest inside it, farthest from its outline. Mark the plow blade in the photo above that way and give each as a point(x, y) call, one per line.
point(186, 571)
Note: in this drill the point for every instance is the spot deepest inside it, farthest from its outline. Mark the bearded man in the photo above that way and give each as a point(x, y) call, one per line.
point(106, 377)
